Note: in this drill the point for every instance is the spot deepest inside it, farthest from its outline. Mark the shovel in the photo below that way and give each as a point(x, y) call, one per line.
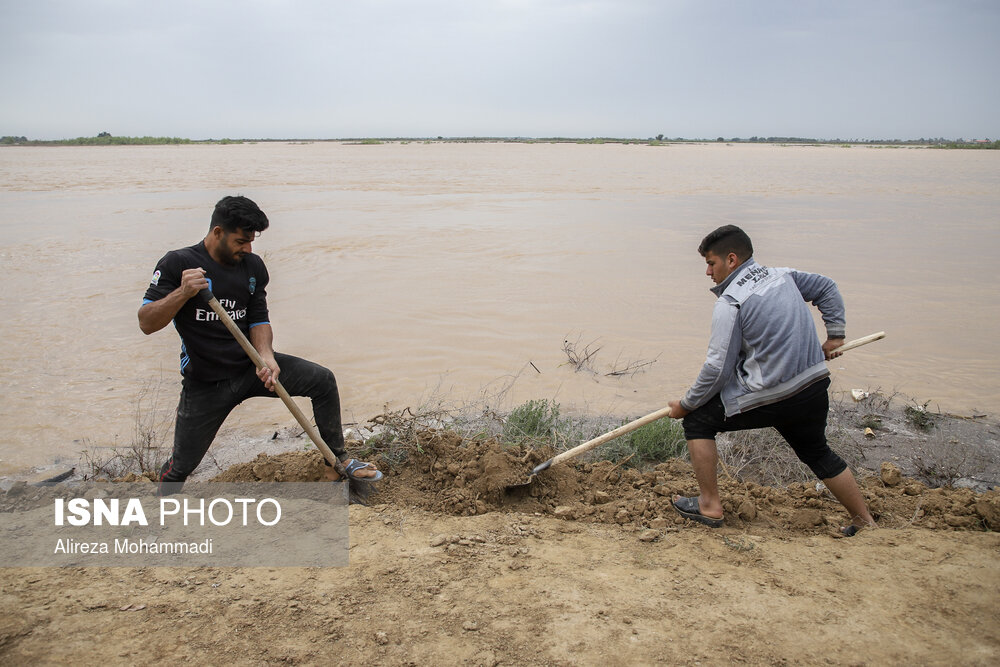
point(358, 488)
point(651, 417)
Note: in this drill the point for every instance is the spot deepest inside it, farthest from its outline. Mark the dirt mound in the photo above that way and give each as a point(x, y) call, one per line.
point(286, 467)
point(444, 473)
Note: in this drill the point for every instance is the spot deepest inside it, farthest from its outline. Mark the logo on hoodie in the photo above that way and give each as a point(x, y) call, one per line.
point(756, 274)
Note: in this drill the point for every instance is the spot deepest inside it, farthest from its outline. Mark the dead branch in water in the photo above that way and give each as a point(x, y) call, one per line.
point(580, 359)
point(630, 368)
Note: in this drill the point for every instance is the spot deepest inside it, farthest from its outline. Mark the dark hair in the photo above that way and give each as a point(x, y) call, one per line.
point(727, 239)
point(233, 213)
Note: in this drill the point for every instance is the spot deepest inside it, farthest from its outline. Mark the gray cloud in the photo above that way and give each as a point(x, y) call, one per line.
point(309, 68)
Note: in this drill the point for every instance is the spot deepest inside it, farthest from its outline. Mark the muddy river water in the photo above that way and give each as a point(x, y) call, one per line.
point(450, 273)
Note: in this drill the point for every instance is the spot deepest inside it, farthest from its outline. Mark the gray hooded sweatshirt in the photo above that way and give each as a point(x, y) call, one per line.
point(763, 346)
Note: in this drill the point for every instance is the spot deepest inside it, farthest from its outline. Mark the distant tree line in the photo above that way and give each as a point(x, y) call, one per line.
point(102, 139)
point(939, 142)
point(995, 145)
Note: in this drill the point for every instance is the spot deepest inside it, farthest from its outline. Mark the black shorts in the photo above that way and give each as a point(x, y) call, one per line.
point(800, 419)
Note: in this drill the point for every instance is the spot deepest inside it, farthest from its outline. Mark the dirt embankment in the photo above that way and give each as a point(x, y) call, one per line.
point(588, 565)
point(446, 474)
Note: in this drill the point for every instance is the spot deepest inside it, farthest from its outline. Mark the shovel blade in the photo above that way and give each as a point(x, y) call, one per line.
point(531, 478)
point(512, 487)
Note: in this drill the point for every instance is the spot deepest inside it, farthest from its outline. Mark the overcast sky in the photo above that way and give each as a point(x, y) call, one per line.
point(541, 68)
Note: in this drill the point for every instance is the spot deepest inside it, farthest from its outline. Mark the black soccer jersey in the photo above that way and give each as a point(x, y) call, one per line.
point(208, 350)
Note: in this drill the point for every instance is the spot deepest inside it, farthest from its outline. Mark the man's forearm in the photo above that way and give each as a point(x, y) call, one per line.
point(262, 339)
point(155, 315)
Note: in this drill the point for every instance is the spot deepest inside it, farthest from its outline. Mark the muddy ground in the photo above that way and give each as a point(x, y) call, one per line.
point(589, 565)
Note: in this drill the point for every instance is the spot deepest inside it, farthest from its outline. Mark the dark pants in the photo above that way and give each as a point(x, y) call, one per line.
point(205, 405)
point(800, 419)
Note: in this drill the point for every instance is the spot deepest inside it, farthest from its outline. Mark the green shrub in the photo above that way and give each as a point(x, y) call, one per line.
point(874, 422)
point(536, 419)
point(658, 441)
point(919, 416)
point(652, 443)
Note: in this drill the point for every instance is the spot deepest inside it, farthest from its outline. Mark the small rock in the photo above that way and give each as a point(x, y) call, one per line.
point(807, 518)
point(564, 512)
point(747, 510)
point(470, 626)
point(913, 489)
point(381, 638)
point(439, 540)
point(988, 507)
point(649, 535)
point(956, 521)
point(891, 475)
point(658, 523)
point(600, 497)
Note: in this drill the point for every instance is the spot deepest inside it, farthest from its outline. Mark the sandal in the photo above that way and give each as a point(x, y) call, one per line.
point(351, 466)
point(852, 530)
point(689, 509)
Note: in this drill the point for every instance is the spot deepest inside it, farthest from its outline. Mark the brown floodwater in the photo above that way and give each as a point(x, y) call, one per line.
point(447, 273)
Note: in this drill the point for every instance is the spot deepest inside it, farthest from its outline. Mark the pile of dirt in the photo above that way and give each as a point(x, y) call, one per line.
point(287, 467)
point(444, 473)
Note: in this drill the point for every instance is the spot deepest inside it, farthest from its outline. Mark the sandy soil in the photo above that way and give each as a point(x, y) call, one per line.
point(588, 566)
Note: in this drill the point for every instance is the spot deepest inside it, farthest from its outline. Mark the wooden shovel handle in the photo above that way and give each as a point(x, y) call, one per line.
point(296, 411)
point(611, 435)
point(858, 342)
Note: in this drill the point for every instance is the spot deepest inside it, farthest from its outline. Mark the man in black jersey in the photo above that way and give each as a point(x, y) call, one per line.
point(217, 374)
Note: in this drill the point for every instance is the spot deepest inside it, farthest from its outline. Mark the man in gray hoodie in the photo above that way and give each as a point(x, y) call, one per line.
point(765, 367)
